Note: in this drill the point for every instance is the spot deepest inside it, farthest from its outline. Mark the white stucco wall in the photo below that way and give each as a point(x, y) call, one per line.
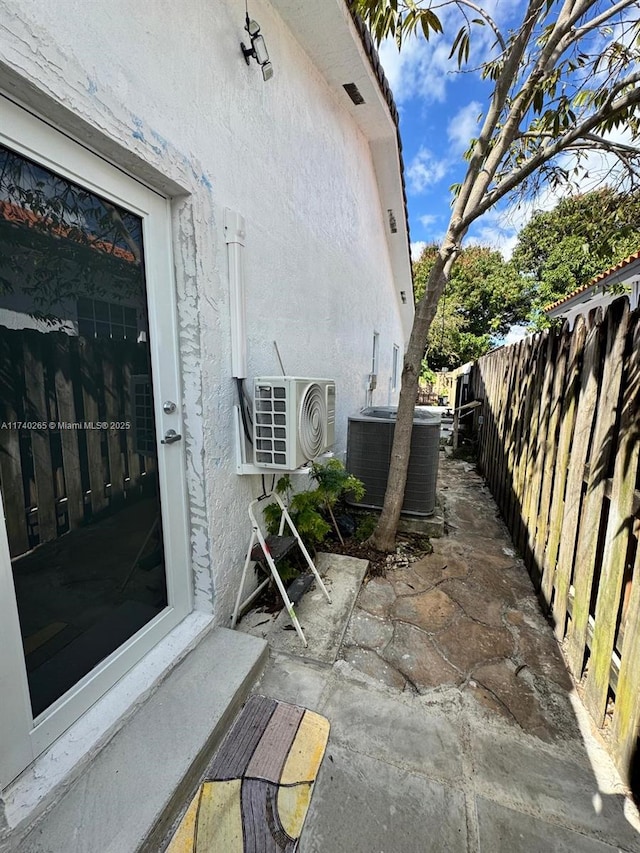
point(162, 90)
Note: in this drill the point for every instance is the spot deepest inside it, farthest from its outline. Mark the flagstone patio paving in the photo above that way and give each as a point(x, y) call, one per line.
point(455, 725)
point(465, 616)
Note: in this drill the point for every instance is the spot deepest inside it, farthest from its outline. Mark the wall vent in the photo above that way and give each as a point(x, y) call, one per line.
point(393, 225)
point(354, 93)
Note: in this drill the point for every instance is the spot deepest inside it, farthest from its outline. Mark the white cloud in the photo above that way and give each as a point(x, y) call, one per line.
point(434, 235)
point(508, 244)
point(419, 69)
point(425, 170)
point(417, 249)
point(498, 240)
point(423, 69)
point(464, 126)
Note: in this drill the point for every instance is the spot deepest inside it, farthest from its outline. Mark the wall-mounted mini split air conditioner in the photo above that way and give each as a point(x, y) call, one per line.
point(293, 420)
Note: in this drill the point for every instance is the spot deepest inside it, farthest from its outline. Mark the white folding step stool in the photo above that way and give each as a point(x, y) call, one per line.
point(273, 549)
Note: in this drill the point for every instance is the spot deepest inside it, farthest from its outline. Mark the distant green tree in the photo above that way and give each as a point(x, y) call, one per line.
point(483, 298)
point(561, 249)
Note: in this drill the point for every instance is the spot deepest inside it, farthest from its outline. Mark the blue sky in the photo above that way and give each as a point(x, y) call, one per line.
point(439, 109)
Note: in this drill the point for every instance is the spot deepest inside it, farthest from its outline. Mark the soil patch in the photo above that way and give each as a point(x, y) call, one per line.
point(410, 548)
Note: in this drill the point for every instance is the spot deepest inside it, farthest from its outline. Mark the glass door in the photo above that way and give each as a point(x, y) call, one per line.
point(91, 542)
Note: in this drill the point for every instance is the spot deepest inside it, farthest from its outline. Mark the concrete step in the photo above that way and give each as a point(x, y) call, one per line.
point(129, 794)
point(324, 624)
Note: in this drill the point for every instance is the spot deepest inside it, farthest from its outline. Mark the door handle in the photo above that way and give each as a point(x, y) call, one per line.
point(170, 437)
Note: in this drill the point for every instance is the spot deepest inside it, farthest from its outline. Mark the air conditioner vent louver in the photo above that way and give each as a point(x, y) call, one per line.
point(369, 441)
point(294, 420)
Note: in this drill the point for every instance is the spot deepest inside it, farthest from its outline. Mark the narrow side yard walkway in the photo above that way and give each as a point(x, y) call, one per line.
point(454, 724)
point(466, 617)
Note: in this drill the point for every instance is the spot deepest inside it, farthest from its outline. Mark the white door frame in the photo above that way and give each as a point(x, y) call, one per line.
point(21, 737)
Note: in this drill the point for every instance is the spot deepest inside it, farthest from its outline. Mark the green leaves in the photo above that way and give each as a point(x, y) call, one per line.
point(334, 481)
point(429, 21)
point(312, 510)
point(393, 19)
point(461, 44)
point(562, 249)
point(483, 297)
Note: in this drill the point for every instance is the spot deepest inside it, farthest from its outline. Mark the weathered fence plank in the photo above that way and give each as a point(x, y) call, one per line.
point(602, 445)
point(506, 425)
point(534, 457)
point(517, 428)
point(585, 411)
point(569, 408)
point(561, 451)
point(489, 393)
point(522, 431)
point(497, 407)
point(619, 529)
point(558, 367)
point(626, 716)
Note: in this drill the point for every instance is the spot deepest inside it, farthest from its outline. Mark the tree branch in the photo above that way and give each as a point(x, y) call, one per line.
point(498, 101)
point(548, 152)
point(521, 102)
point(487, 17)
point(610, 145)
point(517, 110)
point(580, 32)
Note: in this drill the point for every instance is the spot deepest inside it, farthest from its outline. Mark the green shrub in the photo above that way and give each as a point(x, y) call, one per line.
point(312, 510)
point(366, 526)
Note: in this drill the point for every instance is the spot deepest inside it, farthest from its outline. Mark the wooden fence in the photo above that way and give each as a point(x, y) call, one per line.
point(53, 478)
point(559, 437)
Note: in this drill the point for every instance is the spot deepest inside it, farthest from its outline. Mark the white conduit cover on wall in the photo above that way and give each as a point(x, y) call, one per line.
point(234, 233)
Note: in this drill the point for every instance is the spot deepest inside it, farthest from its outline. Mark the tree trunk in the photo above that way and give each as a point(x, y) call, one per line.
point(384, 536)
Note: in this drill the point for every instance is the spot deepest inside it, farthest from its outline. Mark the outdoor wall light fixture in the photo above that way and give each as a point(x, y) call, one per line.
point(258, 49)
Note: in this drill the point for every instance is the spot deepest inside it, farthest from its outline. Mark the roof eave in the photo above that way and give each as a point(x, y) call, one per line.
point(620, 272)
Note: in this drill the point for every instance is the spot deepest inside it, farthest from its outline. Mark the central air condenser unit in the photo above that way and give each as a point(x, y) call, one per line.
point(294, 420)
point(369, 441)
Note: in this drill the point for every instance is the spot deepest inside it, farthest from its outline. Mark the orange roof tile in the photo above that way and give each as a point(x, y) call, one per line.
point(602, 275)
point(15, 213)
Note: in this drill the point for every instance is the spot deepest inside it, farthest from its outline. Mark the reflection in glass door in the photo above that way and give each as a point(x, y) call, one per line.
point(78, 463)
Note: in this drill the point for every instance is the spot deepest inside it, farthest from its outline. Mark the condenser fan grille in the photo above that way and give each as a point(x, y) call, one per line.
point(313, 415)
